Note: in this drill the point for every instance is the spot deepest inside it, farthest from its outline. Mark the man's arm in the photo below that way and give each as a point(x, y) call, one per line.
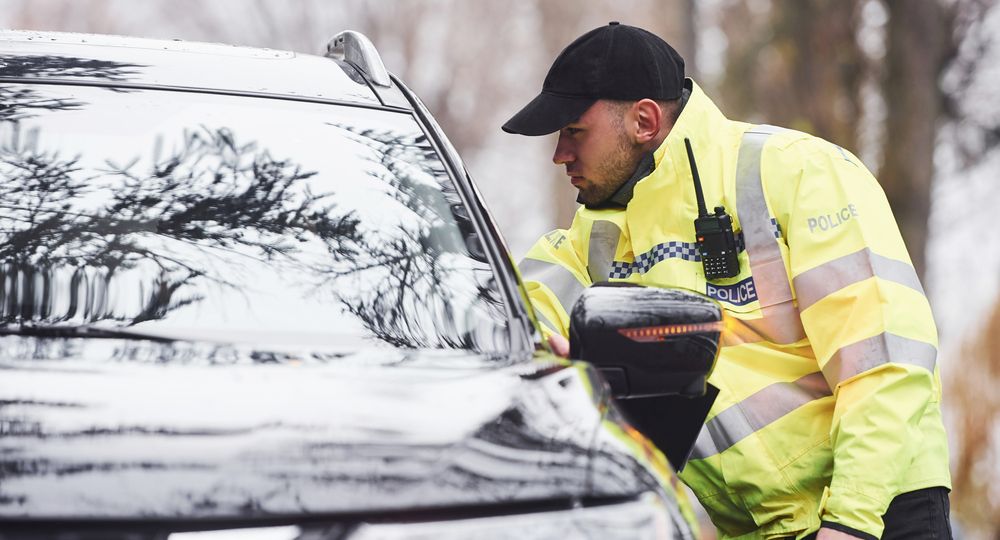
point(869, 324)
point(554, 275)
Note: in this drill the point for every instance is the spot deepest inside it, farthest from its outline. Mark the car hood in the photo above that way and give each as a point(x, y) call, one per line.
point(112, 428)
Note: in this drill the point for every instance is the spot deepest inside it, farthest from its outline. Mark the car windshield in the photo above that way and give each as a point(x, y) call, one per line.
point(209, 217)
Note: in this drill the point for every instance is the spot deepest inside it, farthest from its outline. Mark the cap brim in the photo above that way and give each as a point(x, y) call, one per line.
point(546, 114)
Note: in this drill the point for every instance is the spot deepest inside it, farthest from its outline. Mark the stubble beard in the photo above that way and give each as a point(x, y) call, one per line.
point(612, 172)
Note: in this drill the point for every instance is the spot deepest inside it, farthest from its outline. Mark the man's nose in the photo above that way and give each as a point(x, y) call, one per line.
point(564, 152)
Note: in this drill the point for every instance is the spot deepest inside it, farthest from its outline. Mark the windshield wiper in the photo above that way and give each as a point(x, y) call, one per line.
point(51, 331)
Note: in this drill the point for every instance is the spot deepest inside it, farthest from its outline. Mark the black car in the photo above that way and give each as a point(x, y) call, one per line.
point(254, 292)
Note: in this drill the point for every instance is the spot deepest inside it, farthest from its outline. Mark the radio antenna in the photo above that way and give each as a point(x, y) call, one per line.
point(702, 210)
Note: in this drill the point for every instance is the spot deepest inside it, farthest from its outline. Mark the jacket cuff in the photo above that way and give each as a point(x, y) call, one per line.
point(845, 529)
point(852, 512)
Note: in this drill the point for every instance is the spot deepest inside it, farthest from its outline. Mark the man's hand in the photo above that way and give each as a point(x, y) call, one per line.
point(560, 345)
point(832, 534)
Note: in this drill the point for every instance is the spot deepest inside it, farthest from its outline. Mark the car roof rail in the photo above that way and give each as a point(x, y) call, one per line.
point(354, 47)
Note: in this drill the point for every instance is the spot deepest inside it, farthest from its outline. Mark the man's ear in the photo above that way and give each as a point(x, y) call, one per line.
point(648, 119)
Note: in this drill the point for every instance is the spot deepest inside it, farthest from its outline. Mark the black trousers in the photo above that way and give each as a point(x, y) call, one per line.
point(917, 515)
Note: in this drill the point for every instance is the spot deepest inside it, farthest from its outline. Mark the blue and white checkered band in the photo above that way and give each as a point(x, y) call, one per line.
point(660, 252)
point(671, 250)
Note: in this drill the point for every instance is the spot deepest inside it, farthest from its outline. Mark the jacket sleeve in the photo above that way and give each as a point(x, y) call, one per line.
point(554, 275)
point(869, 324)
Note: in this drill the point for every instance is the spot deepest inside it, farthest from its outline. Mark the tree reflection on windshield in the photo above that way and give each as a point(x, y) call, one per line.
point(147, 235)
point(212, 193)
point(18, 103)
point(66, 67)
point(415, 257)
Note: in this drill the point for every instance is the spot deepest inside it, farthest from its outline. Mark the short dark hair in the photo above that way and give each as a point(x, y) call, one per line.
point(671, 108)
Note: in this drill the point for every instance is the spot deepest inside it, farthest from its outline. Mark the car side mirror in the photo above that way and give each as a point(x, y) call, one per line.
point(647, 341)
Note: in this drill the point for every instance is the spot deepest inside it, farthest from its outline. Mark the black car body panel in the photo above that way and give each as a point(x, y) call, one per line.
point(115, 428)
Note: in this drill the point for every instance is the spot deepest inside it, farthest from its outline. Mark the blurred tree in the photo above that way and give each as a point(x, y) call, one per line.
point(93, 16)
point(795, 64)
point(561, 22)
point(973, 121)
point(919, 38)
point(801, 65)
point(972, 54)
point(972, 391)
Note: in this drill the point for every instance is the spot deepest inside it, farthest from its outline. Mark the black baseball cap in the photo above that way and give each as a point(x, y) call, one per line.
point(616, 61)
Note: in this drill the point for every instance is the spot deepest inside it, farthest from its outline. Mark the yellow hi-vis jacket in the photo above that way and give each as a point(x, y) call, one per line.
point(829, 401)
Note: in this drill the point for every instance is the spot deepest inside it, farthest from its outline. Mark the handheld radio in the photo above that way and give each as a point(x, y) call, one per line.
point(714, 233)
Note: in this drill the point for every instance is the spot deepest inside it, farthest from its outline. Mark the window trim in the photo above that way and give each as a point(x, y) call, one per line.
point(524, 336)
point(196, 90)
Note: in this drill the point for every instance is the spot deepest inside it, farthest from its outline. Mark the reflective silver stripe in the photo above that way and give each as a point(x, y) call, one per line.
point(604, 236)
point(763, 408)
point(766, 129)
point(704, 446)
point(866, 354)
point(559, 280)
point(780, 323)
point(817, 283)
point(766, 263)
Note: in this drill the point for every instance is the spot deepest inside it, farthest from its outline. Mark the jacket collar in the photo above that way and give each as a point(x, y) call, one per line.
point(704, 125)
point(621, 197)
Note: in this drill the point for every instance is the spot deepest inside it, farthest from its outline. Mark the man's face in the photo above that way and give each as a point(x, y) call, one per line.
point(598, 153)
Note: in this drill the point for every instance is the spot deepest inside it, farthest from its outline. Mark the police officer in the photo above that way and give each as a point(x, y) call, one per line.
point(828, 421)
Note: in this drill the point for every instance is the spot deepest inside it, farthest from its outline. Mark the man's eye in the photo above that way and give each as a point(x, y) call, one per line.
point(573, 131)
